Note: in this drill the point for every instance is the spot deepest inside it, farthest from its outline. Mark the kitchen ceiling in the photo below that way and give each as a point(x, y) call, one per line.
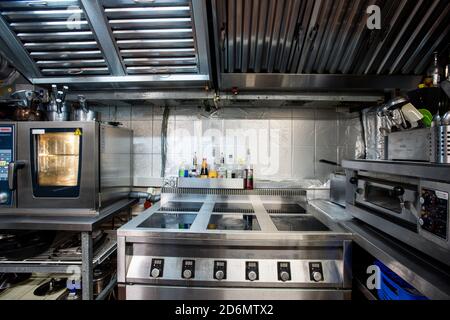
point(257, 45)
point(108, 43)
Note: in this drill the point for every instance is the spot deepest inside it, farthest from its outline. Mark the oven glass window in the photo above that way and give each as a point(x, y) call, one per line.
point(58, 159)
point(384, 198)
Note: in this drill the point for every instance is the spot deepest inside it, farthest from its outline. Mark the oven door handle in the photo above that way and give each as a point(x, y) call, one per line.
point(12, 173)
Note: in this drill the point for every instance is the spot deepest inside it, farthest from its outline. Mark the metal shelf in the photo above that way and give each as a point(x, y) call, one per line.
point(87, 261)
point(42, 265)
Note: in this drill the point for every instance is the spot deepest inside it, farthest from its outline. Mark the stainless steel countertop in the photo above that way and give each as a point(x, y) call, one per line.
point(415, 268)
point(62, 222)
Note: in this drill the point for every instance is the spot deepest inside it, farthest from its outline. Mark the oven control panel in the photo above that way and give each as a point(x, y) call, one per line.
point(235, 271)
point(434, 212)
point(6, 156)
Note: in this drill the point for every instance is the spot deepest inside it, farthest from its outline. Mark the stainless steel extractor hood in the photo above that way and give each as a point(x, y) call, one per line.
point(326, 44)
point(92, 44)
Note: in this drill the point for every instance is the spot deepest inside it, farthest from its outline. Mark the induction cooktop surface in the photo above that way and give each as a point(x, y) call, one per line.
point(233, 207)
point(162, 220)
point(246, 222)
point(298, 223)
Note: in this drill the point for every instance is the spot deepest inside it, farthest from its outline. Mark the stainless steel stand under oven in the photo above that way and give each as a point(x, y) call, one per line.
point(63, 167)
point(407, 200)
point(232, 247)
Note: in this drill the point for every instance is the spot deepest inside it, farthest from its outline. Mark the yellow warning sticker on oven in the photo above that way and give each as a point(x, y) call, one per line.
point(78, 132)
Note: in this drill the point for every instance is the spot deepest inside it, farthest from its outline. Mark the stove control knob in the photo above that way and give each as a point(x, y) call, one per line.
point(317, 276)
point(187, 274)
point(421, 222)
point(220, 275)
point(155, 273)
point(3, 197)
point(284, 276)
point(252, 276)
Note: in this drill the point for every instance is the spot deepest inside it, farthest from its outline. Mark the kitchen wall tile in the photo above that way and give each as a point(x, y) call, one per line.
point(143, 133)
point(142, 165)
point(158, 112)
point(156, 169)
point(156, 136)
point(303, 162)
point(303, 132)
point(141, 112)
point(326, 132)
point(185, 138)
point(122, 113)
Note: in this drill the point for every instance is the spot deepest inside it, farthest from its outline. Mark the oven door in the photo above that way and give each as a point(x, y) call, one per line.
point(393, 201)
point(60, 165)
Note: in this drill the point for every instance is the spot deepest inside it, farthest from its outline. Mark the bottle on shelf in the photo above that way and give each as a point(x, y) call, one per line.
point(240, 169)
point(249, 177)
point(204, 171)
point(222, 170)
point(182, 170)
point(434, 73)
point(194, 167)
point(230, 167)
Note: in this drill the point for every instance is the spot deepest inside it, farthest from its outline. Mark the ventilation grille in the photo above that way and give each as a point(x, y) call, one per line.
point(232, 192)
point(57, 36)
point(154, 37)
point(329, 37)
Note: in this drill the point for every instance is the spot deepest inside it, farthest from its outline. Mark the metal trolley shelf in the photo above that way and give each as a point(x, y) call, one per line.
point(88, 259)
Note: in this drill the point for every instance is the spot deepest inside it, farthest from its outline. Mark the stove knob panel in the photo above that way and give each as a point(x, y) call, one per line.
point(284, 276)
point(187, 274)
point(316, 271)
point(317, 276)
point(220, 270)
point(155, 273)
point(251, 269)
point(220, 275)
point(252, 276)
point(188, 270)
point(157, 268)
point(284, 271)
